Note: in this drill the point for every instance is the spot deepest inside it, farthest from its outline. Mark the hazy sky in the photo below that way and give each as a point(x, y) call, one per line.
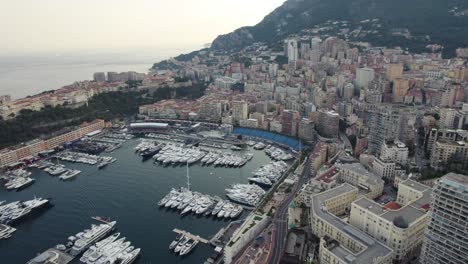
point(64, 25)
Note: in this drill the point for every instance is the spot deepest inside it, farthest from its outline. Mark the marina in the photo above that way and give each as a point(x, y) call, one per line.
point(128, 188)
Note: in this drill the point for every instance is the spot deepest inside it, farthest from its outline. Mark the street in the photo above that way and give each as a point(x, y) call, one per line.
point(280, 221)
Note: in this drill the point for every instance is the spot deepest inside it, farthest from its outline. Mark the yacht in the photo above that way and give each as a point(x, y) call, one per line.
point(97, 254)
point(188, 247)
point(128, 258)
point(19, 183)
point(93, 235)
point(12, 212)
point(70, 174)
point(262, 181)
point(175, 242)
point(181, 244)
point(96, 247)
point(6, 231)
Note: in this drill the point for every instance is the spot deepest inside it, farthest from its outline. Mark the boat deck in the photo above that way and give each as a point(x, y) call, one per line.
point(191, 236)
point(52, 255)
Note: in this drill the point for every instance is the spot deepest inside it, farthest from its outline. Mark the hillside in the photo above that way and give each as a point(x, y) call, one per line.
point(407, 23)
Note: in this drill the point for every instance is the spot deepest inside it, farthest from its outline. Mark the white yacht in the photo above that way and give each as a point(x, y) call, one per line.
point(93, 235)
point(6, 231)
point(70, 174)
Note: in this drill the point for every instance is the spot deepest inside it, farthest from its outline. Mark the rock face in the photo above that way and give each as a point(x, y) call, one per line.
point(428, 21)
point(233, 41)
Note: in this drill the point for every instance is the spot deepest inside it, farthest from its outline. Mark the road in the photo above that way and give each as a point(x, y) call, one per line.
point(280, 220)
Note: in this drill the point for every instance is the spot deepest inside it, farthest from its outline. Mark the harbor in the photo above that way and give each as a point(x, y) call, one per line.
point(127, 188)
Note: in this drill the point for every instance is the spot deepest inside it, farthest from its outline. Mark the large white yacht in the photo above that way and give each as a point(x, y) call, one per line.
point(91, 236)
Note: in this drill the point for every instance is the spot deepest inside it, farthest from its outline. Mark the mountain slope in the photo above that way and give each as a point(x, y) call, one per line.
point(427, 21)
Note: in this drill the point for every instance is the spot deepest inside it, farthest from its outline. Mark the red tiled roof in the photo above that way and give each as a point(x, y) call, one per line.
point(392, 206)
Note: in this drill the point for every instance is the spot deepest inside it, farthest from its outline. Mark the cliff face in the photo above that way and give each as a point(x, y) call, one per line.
point(443, 22)
point(241, 37)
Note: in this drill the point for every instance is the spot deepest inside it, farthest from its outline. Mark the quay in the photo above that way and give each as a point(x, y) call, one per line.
point(191, 236)
point(52, 255)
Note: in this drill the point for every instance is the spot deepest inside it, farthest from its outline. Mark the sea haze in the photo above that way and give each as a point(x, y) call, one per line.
point(23, 75)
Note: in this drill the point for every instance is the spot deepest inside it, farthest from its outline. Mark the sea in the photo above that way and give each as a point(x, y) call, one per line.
point(24, 75)
point(127, 191)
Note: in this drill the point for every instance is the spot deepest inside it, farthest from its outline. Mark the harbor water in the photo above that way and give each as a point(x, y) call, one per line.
point(127, 191)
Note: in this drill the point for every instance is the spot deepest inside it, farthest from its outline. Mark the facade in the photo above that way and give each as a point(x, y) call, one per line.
point(364, 76)
point(340, 242)
point(394, 71)
point(399, 225)
point(290, 122)
point(8, 157)
point(291, 49)
point(306, 130)
point(445, 237)
point(99, 76)
point(369, 184)
point(400, 89)
point(240, 111)
point(447, 152)
point(328, 124)
point(395, 151)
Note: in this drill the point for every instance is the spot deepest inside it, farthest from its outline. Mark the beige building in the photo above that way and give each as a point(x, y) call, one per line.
point(394, 71)
point(10, 156)
point(400, 89)
point(340, 242)
point(399, 225)
point(368, 183)
point(240, 111)
point(448, 151)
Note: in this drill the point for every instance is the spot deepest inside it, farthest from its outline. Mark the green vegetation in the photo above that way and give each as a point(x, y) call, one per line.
point(30, 124)
point(281, 60)
point(295, 16)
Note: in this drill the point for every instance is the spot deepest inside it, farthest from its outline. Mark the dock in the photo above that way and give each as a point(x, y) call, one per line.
point(191, 236)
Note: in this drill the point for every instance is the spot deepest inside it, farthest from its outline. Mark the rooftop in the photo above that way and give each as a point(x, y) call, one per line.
point(373, 249)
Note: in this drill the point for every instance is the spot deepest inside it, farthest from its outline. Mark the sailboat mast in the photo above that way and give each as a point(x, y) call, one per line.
point(188, 178)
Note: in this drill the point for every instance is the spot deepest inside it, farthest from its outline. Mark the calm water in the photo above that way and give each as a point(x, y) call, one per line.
point(127, 191)
point(21, 76)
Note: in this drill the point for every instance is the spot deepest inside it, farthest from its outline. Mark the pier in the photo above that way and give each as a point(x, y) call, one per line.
point(191, 236)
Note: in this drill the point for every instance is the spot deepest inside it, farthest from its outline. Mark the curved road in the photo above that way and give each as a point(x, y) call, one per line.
point(280, 219)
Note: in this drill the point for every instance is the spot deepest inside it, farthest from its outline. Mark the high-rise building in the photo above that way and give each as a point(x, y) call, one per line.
point(400, 89)
point(328, 123)
point(240, 111)
point(394, 71)
point(445, 240)
point(290, 122)
point(383, 126)
point(363, 77)
point(447, 118)
point(306, 130)
point(99, 76)
point(291, 49)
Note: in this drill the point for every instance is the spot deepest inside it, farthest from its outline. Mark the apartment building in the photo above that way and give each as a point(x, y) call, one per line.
point(445, 240)
point(447, 151)
point(369, 184)
point(10, 156)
